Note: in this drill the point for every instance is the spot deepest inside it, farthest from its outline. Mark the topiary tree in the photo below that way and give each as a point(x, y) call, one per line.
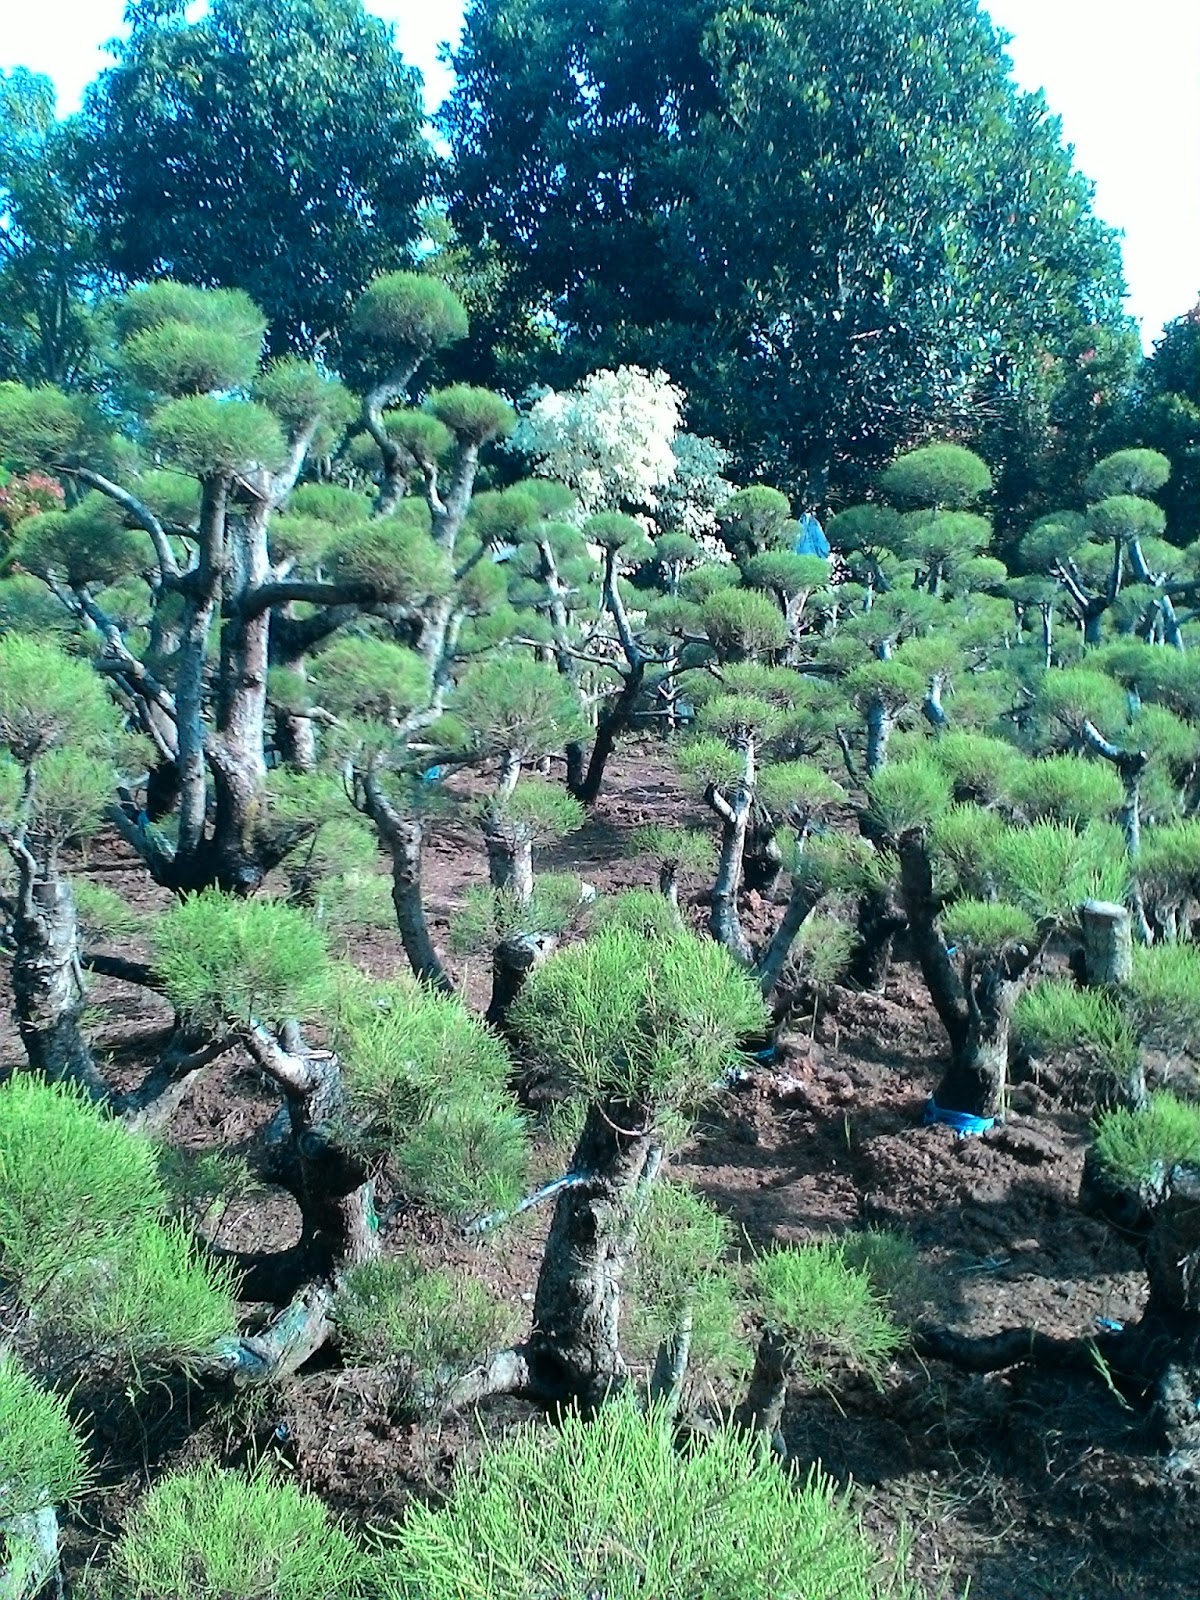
point(244, 583)
point(640, 1029)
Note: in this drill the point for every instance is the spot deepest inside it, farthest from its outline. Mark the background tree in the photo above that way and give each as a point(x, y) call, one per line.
point(824, 228)
point(1165, 416)
point(49, 262)
point(276, 149)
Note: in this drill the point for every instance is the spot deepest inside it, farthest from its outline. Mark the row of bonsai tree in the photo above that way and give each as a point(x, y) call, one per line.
point(258, 626)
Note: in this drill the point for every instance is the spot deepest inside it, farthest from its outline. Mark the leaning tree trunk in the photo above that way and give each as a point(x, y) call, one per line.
point(46, 976)
point(573, 1351)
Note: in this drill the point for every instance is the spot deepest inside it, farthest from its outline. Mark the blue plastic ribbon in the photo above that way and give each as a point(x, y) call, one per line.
point(961, 1122)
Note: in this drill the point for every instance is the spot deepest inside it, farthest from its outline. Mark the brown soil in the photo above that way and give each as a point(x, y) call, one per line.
point(1021, 1484)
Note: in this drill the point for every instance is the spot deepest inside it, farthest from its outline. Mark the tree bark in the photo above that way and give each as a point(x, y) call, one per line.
point(762, 1408)
point(510, 863)
point(334, 1189)
point(513, 959)
point(47, 976)
point(573, 1351)
point(1107, 944)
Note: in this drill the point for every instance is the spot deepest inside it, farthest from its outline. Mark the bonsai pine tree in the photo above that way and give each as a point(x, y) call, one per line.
point(641, 1030)
point(60, 739)
point(181, 558)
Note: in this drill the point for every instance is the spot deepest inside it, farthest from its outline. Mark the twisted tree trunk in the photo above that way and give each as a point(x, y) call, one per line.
point(573, 1351)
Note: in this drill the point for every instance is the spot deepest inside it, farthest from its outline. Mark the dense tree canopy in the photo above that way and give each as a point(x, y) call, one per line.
point(1166, 416)
point(47, 251)
point(275, 148)
point(826, 225)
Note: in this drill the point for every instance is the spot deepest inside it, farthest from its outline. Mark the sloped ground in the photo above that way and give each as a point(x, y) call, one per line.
point(1024, 1484)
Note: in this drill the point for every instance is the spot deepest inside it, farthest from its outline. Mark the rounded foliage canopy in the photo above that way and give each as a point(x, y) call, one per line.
point(646, 1021)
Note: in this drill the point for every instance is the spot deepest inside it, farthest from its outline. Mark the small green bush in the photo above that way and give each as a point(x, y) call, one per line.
point(611, 1507)
point(216, 1535)
point(1055, 1016)
point(429, 1326)
point(1141, 1147)
point(655, 1021)
point(44, 1459)
point(228, 961)
point(828, 1311)
point(679, 1275)
point(907, 794)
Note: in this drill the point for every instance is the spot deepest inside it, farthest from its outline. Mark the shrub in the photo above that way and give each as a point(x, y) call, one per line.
point(213, 1535)
point(1054, 1017)
point(82, 1236)
point(44, 1459)
point(1165, 986)
point(1140, 1147)
point(644, 1020)
point(610, 1507)
point(828, 1311)
point(429, 1083)
point(678, 1275)
point(906, 795)
point(430, 1326)
point(227, 961)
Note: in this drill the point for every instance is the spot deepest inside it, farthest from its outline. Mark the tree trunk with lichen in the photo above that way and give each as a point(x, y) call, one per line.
point(48, 995)
point(573, 1351)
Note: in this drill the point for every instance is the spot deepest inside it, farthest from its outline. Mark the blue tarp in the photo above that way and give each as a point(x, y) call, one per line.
point(812, 540)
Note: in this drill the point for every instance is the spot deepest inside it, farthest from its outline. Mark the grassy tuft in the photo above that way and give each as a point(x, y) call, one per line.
point(679, 1274)
point(44, 1459)
point(428, 1326)
point(985, 925)
point(1055, 1016)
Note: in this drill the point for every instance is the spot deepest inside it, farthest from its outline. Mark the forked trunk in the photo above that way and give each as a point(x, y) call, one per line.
point(573, 1350)
point(332, 1186)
